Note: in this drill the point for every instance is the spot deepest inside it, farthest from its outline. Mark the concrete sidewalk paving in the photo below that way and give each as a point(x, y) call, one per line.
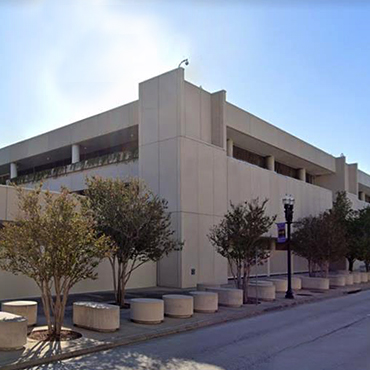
point(36, 353)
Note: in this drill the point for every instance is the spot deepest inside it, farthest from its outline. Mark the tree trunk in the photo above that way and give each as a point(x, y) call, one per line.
point(245, 282)
point(122, 281)
point(112, 262)
point(239, 276)
point(367, 266)
point(122, 295)
point(46, 306)
point(351, 262)
point(311, 269)
point(325, 269)
point(117, 293)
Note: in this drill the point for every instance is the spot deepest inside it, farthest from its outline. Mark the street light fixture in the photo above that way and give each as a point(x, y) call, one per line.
point(288, 202)
point(185, 61)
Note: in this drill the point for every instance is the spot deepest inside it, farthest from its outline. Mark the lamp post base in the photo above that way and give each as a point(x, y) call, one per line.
point(289, 294)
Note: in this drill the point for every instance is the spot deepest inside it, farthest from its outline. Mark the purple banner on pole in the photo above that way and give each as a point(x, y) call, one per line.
point(281, 232)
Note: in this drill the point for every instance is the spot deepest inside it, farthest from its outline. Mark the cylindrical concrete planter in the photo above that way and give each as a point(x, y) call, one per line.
point(228, 297)
point(356, 277)
point(263, 291)
point(178, 305)
point(13, 331)
point(96, 316)
point(337, 281)
point(281, 285)
point(203, 287)
point(349, 279)
point(341, 272)
point(147, 310)
point(205, 302)
point(296, 283)
point(27, 309)
point(315, 283)
point(364, 277)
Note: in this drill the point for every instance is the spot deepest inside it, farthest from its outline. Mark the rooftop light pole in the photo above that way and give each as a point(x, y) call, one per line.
point(186, 61)
point(288, 202)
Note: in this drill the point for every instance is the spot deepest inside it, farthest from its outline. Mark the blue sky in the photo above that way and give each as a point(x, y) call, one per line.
point(304, 66)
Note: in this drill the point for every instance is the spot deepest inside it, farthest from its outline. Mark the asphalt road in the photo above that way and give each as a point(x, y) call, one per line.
point(331, 334)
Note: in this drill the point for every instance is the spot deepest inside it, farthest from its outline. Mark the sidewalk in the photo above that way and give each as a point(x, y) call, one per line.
point(37, 353)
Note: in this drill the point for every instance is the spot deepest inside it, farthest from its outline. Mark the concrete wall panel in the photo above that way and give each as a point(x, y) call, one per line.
point(189, 175)
point(192, 111)
point(220, 200)
point(169, 268)
point(206, 251)
point(149, 165)
point(205, 180)
point(190, 254)
point(169, 89)
point(206, 120)
point(168, 167)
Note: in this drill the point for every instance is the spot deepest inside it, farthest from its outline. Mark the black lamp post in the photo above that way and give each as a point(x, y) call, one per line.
point(288, 202)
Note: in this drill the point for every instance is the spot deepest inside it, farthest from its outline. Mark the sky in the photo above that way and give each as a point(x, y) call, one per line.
point(301, 65)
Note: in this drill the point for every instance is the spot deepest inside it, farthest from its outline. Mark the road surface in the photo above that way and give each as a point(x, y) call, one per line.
point(331, 334)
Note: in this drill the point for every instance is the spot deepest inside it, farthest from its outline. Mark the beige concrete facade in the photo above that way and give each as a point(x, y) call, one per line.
point(199, 152)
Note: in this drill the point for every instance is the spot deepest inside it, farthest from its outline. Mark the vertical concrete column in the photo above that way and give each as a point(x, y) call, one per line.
point(353, 178)
point(218, 112)
point(230, 147)
point(13, 170)
point(75, 153)
point(361, 196)
point(302, 174)
point(337, 181)
point(161, 124)
point(270, 163)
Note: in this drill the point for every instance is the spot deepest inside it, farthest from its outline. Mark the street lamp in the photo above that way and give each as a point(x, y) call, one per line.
point(185, 61)
point(288, 202)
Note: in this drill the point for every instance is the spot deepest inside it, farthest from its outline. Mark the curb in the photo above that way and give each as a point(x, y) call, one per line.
point(166, 332)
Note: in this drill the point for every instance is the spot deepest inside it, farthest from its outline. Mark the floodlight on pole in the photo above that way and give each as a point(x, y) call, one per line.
point(185, 61)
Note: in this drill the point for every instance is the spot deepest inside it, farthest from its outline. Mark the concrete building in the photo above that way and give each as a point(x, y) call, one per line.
point(198, 151)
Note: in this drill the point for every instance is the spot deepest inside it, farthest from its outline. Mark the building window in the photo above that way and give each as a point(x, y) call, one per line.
point(310, 178)
point(367, 198)
point(44, 167)
point(106, 151)
point(247, 156)
point(285, 170)
point(4, 179)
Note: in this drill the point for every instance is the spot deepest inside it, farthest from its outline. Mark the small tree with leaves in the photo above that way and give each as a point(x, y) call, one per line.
point(359, 232)
point(321, 240)
point(53, 243)
point(306, 239)
point(135, 220)
point(344, 214)
point(239, 238)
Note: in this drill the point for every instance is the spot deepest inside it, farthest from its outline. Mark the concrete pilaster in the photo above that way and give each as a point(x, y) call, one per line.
point(218, 102)
point(75, 153)
point(230, 147)
point(13, 170)
point(270, 163)
point(302, 174)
